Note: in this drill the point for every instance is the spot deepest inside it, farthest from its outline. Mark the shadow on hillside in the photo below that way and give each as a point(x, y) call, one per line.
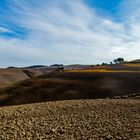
point(66, 86)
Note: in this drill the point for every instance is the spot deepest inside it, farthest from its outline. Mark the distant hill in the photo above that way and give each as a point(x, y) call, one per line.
point(36, 66)
point(76, 66)
point(135, 61)
point(12, 75)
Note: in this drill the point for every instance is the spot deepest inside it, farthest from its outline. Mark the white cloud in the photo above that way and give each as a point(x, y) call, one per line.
point(68, 31)
point(4, 30)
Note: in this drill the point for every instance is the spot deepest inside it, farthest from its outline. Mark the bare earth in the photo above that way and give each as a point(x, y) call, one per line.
point(77, 119)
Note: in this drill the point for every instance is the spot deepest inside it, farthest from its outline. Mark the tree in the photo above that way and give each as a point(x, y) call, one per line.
point(115, 61)
point(118, 60)
point(111, 63)
point(103, 64)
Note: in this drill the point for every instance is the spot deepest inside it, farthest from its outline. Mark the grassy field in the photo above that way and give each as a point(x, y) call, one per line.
point(75, 120)
point(126, 67)
point(100, 70)
point(132, 64)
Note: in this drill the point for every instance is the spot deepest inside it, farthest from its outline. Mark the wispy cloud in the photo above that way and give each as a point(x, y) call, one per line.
point(4, 30)
point(69, 31)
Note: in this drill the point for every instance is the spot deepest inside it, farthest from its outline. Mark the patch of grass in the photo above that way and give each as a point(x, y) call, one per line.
point(132, 64)
point(99, 70)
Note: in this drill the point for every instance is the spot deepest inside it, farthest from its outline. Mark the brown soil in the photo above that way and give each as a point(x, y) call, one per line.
point(64, 86)
point(10, 76)
point(77, 119)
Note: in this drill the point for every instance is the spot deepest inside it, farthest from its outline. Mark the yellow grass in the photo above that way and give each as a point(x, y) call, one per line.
point(98, 70)
point(133, 65)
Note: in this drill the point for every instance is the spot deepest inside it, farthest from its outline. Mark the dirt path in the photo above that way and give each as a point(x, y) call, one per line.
point(79, 119)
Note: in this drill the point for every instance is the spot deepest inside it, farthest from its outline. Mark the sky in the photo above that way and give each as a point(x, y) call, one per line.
point(68, 31)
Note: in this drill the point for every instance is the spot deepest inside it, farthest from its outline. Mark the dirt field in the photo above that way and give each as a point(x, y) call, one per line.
point(78, 119)
point(64, 86)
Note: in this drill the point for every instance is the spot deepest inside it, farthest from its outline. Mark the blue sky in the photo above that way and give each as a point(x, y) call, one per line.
point(68, 31)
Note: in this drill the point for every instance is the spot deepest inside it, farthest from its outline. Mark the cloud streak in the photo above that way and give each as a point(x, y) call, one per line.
point(4, 30)
point(68, 31)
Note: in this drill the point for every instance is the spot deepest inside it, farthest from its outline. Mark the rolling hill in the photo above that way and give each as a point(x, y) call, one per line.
point(11, 75)
point(135, 61)
point(42, 83)
point(65, 85)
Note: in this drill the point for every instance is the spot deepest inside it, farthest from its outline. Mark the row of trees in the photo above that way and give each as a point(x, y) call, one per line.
point(116, 61)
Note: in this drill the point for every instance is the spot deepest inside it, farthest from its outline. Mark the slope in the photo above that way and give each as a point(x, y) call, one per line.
point(63, 86)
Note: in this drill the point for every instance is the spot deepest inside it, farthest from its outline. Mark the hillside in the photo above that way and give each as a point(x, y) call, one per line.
point(65, 85)
point(42, 83)
point(76, 120)
point(9, 76)
point(135, 61)
point(12, 75)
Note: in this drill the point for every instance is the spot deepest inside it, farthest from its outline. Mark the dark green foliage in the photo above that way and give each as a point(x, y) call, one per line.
point(118, 60)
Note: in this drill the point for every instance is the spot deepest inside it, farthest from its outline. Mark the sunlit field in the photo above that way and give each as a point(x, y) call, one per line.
point(132, 64)
point(99, 70)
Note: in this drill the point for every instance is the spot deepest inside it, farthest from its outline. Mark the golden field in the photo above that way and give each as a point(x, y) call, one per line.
point(98, 70)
